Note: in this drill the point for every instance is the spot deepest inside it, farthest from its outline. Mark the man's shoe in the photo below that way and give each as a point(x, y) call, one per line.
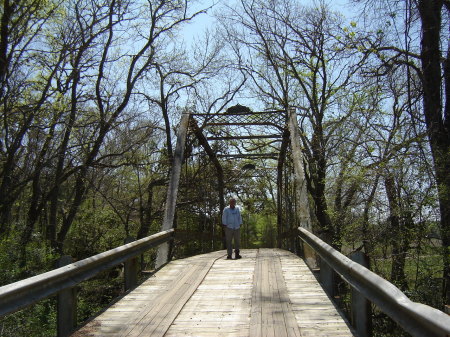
point(238, 256)
point(229, 257)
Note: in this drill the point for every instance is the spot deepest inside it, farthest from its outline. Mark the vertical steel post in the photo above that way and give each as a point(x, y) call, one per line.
point(172, 191)
point(280, 167)
point(299, 173)
point(300, 183)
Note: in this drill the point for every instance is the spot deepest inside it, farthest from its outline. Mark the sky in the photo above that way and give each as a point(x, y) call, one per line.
point(205, 21)
point(195, 30)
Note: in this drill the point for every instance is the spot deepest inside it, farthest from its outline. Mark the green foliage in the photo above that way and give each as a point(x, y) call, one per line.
point(95, 231)
point(262, 230)
point(38, 258)
point(97, 293)
point(9, 256)
point(38, 320)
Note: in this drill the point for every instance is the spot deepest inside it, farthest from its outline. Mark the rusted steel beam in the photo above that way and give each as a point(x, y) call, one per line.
point(280, 166)
point(299, 173)
point(244, 124)
point(252, 113)
point(212, 156)
point(302, 211)
point(250, 155)
point(246, 137)
point(275, 118)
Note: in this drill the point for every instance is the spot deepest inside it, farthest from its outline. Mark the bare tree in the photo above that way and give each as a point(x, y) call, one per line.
point(430, 60)
point(68, 75)
point(301, 64)
point(21, 32)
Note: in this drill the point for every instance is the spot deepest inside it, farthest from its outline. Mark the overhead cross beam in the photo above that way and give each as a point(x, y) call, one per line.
point(275, 118)
point(245, 137)
point(273, 155)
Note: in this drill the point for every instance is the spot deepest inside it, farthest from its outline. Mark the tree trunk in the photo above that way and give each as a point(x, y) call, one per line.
point(33, 214)
point(8, 11)
point(397, 234)
point(147, 221)
point(319, 178)
point(367, 242)
point(54, 199)
point(437, 126)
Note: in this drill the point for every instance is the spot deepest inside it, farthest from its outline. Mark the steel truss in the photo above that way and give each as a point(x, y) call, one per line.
point(246, 137)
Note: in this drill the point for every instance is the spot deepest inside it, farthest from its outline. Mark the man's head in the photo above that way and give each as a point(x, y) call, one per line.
point(232, 203)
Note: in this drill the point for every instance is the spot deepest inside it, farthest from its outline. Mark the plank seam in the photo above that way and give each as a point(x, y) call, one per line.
point(192, 294)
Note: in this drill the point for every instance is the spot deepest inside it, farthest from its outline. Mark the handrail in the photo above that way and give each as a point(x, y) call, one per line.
point(416, 318)
point(20, 294)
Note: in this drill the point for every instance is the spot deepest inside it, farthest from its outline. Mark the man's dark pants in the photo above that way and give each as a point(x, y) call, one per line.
point(233, 234)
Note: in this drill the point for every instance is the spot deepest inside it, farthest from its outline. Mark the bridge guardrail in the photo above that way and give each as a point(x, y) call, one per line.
point(416, 318)
point(21, 294)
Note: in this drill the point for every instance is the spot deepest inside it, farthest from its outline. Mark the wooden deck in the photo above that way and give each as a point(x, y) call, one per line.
point(269, 292)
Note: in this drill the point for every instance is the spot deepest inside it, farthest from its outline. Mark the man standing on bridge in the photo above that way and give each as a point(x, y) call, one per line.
point(232, 220)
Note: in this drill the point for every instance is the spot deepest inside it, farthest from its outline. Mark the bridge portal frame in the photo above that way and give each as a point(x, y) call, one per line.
point(285, 122)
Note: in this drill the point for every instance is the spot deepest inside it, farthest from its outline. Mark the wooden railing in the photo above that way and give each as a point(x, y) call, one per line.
point(415, 318)
point(18, 295)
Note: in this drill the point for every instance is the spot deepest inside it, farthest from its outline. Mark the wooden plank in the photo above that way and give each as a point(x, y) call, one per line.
point(266, 293)
point(315, 313)
point(172, 285)
point(272, 314)
point(256, 310)
point(158, 319)
point(290, 321)
point(221, 305)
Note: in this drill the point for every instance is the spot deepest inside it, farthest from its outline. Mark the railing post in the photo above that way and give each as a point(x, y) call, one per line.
point(66, 305)
point(361, 309)
point(327, 278)
point(130, 269)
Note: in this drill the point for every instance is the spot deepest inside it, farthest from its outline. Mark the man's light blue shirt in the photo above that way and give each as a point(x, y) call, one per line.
point(232, 217)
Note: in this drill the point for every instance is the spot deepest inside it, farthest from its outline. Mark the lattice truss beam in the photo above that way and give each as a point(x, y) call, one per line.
point(244, 135)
